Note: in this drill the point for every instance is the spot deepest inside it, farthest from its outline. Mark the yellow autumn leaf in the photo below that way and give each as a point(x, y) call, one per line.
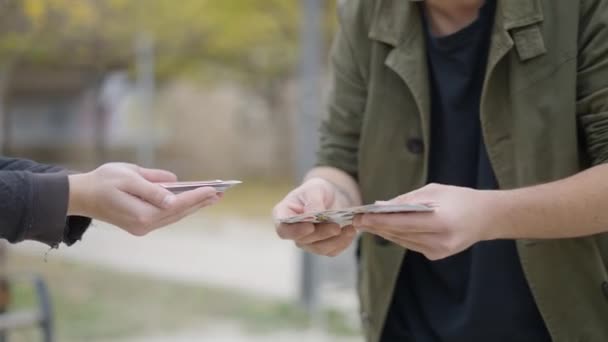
point(34, 9)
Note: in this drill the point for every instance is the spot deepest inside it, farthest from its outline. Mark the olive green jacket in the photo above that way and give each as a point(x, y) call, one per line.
point(544, 116)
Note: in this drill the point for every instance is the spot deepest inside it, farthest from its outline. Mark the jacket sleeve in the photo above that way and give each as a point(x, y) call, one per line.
point(592, 79)
point(341, 128)
point(15, 164)
point(33, 204)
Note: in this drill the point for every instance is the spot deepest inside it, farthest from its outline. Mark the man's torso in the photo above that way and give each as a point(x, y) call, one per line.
point(528, 123)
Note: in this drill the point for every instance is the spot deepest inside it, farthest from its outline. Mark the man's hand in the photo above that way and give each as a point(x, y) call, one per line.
point(462, 217)
point(324, 239)
point(126, 195)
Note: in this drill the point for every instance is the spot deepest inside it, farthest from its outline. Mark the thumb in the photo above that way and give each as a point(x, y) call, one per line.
point(410, 197)
point(286, 209)
point(426, 194)
point(149, 192)
point(314, 200)
point(156, 175)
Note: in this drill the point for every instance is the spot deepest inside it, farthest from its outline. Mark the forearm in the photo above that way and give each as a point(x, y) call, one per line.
point(345, 184)
point(574, 207)
point(77, 204)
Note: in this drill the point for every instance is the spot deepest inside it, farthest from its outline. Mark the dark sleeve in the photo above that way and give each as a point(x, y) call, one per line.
point(33, 204)
point(15, 164)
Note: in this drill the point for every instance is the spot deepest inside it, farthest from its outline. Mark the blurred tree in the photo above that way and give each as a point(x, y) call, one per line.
point(255, 42)
point(252, 37)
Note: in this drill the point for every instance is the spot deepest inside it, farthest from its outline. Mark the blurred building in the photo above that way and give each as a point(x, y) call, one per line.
point(51, 114)
point(81, 117)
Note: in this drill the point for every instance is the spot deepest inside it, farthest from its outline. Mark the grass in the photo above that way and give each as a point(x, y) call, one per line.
point(251, 199)
point(96, 304)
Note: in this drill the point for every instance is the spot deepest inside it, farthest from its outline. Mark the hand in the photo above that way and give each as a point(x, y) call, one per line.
point(323, 239)
point(125, 195)
point(462, 217)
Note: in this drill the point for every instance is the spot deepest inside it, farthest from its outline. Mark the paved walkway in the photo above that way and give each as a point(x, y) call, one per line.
point(232, 253)
point(230, 333)
point(235, 253)
point(229, 253)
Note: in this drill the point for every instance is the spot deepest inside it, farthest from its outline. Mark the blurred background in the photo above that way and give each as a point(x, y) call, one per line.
point(208, 89)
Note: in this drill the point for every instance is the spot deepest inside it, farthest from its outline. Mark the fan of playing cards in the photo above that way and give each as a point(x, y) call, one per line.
point(344, 217)
point(218, 185)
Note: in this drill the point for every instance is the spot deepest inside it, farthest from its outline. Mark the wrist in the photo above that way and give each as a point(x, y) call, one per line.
point(495, 210)
point(77, 203)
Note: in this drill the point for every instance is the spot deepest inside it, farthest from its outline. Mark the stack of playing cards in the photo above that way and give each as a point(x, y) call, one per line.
point(218, 185)
point(344, 217)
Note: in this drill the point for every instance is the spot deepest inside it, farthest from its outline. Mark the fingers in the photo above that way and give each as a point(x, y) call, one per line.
point(149, 192)
point(295, 231)
point(321, 232)
point(310, 197)
point(156, 175)
point(292, 205)
point(190, 199)
point(289, 207)
point(398, 223)
point(351, 233)
point(332, 246)
point(140, 217)
point(132, 214)
point(130, 198)
point(181, 215)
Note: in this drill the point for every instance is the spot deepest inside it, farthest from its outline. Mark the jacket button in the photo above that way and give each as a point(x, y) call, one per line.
point(605, 289)
point(415, 146)
point(380, 241)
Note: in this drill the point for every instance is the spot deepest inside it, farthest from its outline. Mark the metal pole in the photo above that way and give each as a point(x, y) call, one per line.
point(46, 309)
point(5, 73)
point(146, 85)
point(306, 130)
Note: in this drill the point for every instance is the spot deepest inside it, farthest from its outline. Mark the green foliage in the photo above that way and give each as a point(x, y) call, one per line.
point(97, 304)
point(258, 38)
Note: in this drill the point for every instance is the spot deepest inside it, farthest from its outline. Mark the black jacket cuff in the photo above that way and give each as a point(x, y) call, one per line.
point(48, 221)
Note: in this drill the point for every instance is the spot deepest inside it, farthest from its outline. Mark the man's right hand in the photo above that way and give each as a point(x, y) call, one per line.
point(126, 196)
point(315, 194)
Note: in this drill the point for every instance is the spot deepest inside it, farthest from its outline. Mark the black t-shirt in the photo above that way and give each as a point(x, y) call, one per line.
point(480, 294)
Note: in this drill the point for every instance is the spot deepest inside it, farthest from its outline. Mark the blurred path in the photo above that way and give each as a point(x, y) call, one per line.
point(232, 253)
point(228, 253)
point(230, 333)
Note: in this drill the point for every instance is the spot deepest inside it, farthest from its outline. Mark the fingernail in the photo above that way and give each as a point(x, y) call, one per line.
point(168, 201)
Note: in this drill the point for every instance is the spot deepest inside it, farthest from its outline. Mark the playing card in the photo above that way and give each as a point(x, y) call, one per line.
point(218, 185)
point(304, 218)
point(344, 217)
point(392, 208)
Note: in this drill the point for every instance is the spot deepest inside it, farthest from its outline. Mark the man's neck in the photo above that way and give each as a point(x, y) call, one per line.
point(450, 16)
